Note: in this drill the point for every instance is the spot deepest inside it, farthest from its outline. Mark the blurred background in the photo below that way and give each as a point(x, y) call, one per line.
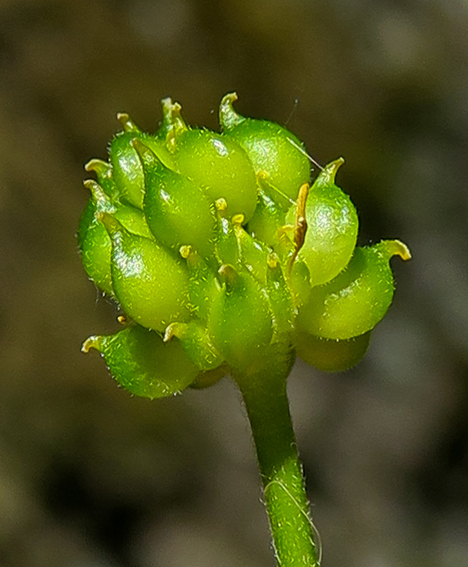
point(91, 477)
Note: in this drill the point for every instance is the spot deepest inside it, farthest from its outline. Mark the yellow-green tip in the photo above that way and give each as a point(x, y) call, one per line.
point(328, 173)
point(398, 248)
point(228, 117)
point(127, 123)
point(92, 342)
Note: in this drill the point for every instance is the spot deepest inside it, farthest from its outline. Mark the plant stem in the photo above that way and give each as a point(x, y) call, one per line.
point(266, 401)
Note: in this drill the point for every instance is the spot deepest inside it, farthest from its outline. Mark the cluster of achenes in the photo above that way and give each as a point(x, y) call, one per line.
point(216, 247)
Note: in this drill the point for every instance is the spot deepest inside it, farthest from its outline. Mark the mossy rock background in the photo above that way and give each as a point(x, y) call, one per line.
point(91, 476)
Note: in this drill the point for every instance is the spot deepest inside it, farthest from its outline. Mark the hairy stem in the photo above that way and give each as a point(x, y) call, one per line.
point(285, 497)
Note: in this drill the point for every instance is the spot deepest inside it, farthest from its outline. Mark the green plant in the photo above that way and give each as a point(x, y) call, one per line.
point(225, 260)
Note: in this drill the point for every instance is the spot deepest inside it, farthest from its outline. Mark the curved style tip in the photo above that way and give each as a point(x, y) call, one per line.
point(228, 273)
point(238, 220)
point(145, 153)
point(185, 251)
point(221, 204)
point(97, 192)
point(169, 332)
point(401, 250)
point(328, 173)
point(175, 118)
point(127, 123)
point(394, 248)
point(99, 167)
point(174, 330)
point(91, 185)
point(91, 342)
point(228, 117)
point(166, 103)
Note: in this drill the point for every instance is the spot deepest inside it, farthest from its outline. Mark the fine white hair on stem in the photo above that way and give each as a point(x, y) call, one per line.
point(311, 522)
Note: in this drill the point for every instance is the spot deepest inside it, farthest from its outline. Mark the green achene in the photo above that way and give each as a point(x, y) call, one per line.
point(217, 164)
point(358, 298)
point(332, 227)
point(240, 299)
point(276, 154)
point(331, 355)
point(143, 363)
point(95, 243)
point(126, 166)
point(150, 284)
point(178, 212)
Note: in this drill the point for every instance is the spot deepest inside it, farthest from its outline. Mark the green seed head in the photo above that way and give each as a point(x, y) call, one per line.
point(223, 256)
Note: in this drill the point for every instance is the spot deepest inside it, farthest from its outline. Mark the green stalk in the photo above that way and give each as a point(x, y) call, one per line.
point(288, 509)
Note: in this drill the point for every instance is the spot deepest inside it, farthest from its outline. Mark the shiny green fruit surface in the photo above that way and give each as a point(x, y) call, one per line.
point(149, 283)
point(268, 218)
point(96, 249)
point(178, 212)
point(331, 355)
point(143, 364)
point(357, 299)
point(127, 170)
point(93, 239)
point(276, 154)
point(220, 167)
point(240, 301)
point(332, 227)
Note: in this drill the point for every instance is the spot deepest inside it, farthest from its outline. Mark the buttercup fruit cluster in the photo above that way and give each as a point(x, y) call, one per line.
point(217, 247)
